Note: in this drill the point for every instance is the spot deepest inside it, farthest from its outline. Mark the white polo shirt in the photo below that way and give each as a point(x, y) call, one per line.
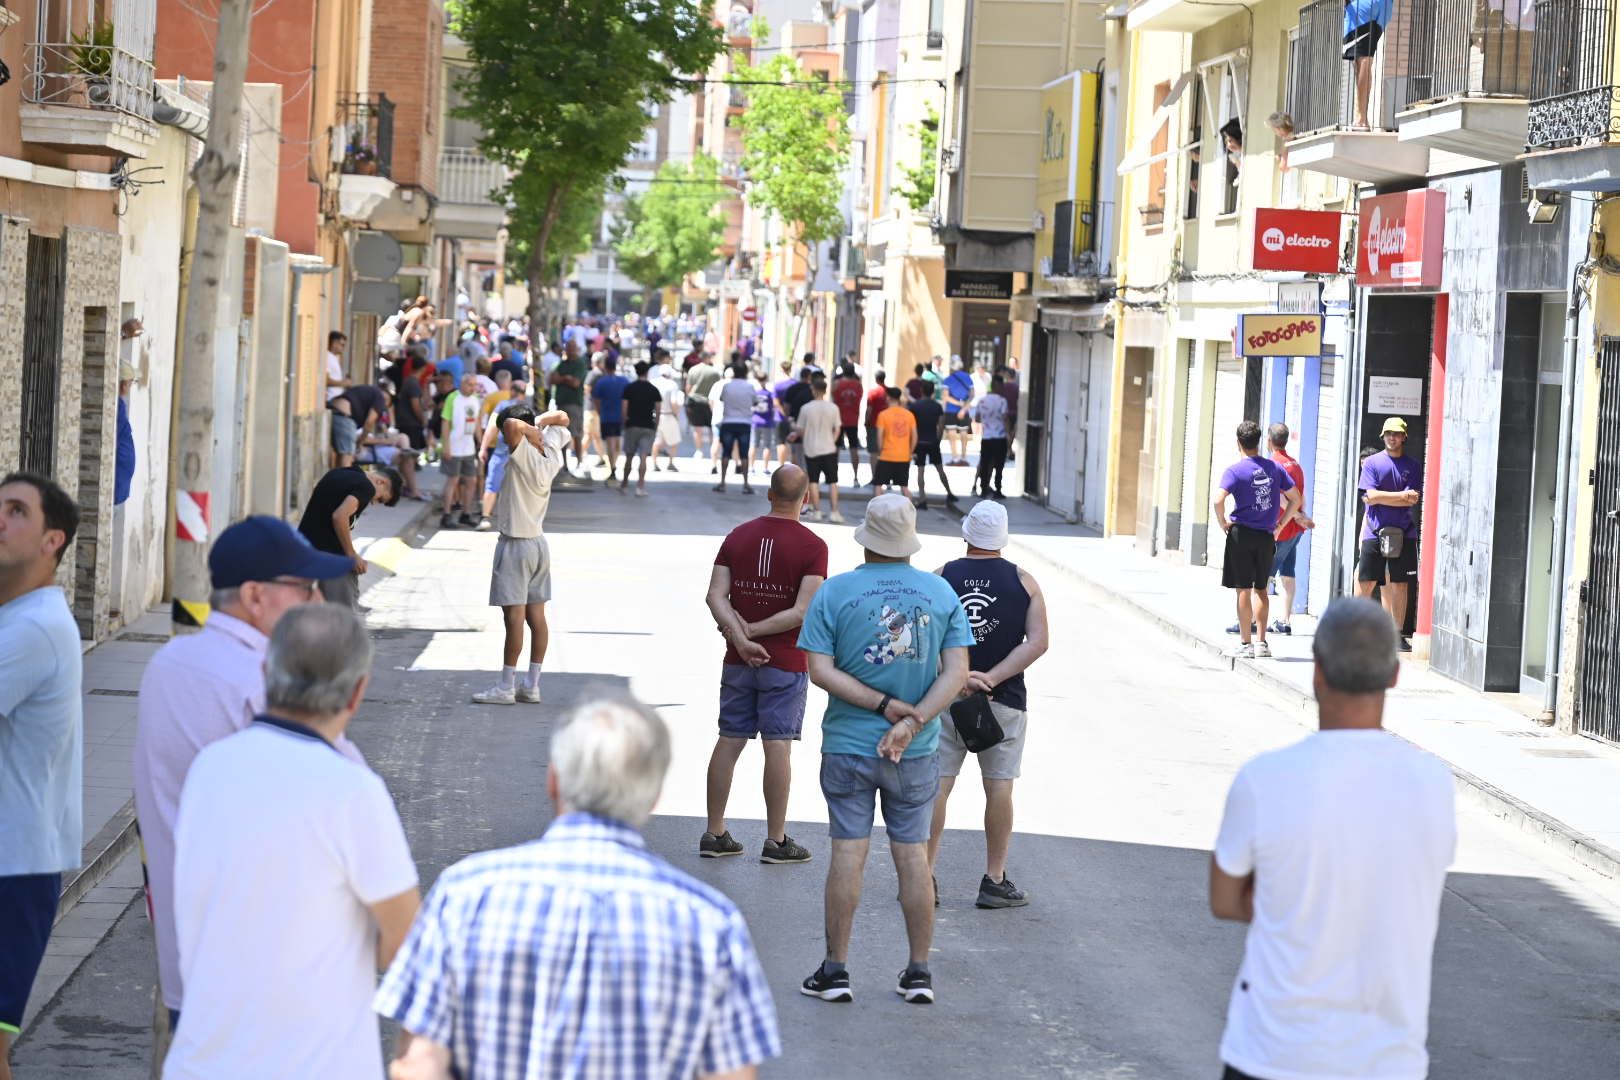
point(334, 370)
point(283, 843)
point(1348, 834)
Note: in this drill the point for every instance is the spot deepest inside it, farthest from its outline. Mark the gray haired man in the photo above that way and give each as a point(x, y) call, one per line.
point(1335, 850)
point(293, 883)
point(666, 983)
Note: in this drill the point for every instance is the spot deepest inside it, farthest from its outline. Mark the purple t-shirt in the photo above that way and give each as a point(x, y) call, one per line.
point(1256, 485)
point(1384, 473)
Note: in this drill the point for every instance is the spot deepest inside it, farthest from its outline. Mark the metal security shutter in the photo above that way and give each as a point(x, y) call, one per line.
point(1329, 472)
point(1189, 445)
point(1599, 690)
point(1229, 385)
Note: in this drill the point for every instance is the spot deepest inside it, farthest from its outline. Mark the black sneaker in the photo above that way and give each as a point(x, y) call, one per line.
point(1280, 627)
point(1406, 646)
point(1004, 894)
point(446, 521)
point(950, 500)
point(466, 519)
point(715, 847)
point(917, 987)
point(788, 851)
point(827, 987)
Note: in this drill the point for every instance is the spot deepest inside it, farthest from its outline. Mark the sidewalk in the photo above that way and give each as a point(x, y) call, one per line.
point(1557, 787)
point(110, 874)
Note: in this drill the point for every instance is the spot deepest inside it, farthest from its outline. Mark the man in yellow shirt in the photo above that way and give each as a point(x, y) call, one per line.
point(897, 429)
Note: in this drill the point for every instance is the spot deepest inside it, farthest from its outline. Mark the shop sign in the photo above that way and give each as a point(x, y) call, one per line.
point(1299, 297)
point(1394, 395)
point(749, 314)
point(1401, 239)
point(1301, 240)
point(1270, 334)
point(978, 284)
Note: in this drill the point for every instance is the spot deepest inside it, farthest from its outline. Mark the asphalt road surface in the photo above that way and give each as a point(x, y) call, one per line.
point(1116, 970)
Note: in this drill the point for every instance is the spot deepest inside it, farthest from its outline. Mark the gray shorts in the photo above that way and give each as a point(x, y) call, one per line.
point(345, 434)
point(637, 440)
point(851, 784)
point(1002, 761)
point(522, 573)
point(460, 467)
point(343, 590)
point(576, 420)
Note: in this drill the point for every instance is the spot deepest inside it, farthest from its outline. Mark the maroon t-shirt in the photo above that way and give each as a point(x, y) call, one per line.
point(768, 558)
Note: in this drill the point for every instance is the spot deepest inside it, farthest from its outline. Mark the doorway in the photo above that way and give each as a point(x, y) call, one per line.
point(1542, 503)
point(984, 335)
point(1133, 494)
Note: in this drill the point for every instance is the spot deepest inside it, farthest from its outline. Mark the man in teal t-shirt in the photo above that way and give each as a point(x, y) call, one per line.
point(889, 643)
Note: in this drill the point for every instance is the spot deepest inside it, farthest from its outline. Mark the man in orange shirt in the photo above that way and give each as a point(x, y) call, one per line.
point(898, 430)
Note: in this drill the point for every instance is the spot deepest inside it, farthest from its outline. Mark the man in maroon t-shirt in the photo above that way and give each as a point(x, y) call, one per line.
point(766, 573)
point(847, 395)
point(1290, 527)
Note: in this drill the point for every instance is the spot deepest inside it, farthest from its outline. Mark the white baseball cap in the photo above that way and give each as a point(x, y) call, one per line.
point(890, 527)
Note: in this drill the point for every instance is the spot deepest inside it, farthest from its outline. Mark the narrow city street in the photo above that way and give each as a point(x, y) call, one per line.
point(1115, 970)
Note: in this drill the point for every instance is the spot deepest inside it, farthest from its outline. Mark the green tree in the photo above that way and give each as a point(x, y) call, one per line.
point(560, 89)
point(916, 186)
point(577, 225)
point(675, 227)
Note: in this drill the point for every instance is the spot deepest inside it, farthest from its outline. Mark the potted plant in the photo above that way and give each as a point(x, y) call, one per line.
point(93, 58)
point(360, 160)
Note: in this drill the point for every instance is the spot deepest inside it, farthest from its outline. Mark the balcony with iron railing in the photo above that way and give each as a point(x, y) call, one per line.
point(1343, 110)
point(1573, 131)
point(1468, 86)
point(1079, 258)
point(91, 89)
point(363, 145)
point(470, 202)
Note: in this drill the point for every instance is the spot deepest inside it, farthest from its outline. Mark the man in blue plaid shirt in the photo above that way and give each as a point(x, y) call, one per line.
point(582, 954)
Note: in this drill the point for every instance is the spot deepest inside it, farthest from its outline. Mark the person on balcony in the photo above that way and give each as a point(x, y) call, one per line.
point(1364, 22)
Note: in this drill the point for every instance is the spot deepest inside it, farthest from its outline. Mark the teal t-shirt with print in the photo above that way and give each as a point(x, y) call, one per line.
point(886, 624)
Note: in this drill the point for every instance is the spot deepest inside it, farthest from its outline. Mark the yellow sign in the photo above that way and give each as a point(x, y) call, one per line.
point(1065, 177)
point(1280, 335)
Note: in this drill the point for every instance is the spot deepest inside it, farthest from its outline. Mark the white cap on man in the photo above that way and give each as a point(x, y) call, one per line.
point(985, 526)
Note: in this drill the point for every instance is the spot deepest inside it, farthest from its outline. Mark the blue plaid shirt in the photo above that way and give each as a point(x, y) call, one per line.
point(581, 955)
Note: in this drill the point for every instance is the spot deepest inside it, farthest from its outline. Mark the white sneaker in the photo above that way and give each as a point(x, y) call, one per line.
point(497, 695)
point(528, 695)
point(836, 518)
point(1241, 652)
point(821, 515)
point(1262, 651)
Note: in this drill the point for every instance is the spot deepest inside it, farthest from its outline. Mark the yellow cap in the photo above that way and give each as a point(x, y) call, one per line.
point(1394, 423)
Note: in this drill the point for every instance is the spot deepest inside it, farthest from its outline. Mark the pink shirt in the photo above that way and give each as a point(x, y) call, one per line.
point(196, 690)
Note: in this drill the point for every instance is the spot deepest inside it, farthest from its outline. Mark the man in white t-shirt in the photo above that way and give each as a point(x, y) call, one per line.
point(336, 380)
point(1334, 850)
point(463, 411)
point(293, 882)
point(818, 428)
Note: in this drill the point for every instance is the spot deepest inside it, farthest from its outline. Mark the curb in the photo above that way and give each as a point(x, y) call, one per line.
point(1480, 793)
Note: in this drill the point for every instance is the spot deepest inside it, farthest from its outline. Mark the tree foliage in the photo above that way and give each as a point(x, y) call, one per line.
point(795, 140)
point(916, 186)
point(676, 226)
point(560, 88)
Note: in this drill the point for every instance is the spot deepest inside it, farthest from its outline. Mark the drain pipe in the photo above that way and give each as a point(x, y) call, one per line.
point(1561, 499)
point(301, 265)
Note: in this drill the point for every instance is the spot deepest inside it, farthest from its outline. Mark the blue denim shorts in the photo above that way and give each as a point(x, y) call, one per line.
point(1283, 562)
point(852, 782)
point(763, 701)
point(496, 472)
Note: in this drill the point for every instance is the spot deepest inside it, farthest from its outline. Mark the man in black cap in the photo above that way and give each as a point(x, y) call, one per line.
point(201, 687)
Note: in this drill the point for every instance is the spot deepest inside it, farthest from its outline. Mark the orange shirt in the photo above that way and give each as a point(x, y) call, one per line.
point(896, 428)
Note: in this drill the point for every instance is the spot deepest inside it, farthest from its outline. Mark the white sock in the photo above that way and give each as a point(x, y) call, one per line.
point(508, 678)
point(533, 682)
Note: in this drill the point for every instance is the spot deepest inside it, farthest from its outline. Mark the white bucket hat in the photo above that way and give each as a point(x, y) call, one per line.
point(890, 527)
point(985, 526)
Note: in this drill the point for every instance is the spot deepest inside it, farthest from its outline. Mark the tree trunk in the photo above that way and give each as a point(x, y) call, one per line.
point(215, 177)
point(534, 271)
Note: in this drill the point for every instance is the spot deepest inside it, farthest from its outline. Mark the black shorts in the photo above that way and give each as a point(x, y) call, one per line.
point(822, 468)
point(1374, 567)
point(955, 419)
point(417, 436)
point(27, 910)
point(874, 441)
point(784, 428)
point(849, 438)
point(891, 472)
point(1363, 41)
point(735, 436)
point(698, 414)
point(926, 454)
point(1249, 555)
point(612, 429)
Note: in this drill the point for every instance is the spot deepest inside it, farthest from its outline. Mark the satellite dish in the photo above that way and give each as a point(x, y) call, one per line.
point(377, 256)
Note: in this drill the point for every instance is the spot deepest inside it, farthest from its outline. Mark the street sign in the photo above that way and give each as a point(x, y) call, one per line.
point(1299, 297)
point(1269, 334)
point(1305, 240)
point(978, 284)
point(749, 314)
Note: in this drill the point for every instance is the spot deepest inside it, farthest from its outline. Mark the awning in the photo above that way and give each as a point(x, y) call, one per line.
point(1142, 152)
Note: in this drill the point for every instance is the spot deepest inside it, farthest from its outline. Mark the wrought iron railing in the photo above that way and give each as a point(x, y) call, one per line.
point(1572, 88)
point(367, 125)
point(468, 177)
point(1473, 47)
point(88, 76)
point(1081, 240)
point(1322, 91)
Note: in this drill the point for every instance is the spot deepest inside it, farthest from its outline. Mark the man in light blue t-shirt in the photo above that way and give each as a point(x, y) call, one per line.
point(889, 643)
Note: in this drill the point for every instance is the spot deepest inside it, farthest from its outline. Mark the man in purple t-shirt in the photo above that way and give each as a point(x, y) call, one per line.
point(1260, 490)
point(1391, 484)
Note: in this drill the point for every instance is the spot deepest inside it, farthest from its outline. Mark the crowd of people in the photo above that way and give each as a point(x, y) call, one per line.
point(280, 877)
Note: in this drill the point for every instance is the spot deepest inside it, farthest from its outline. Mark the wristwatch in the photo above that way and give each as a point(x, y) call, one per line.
point(883, 705)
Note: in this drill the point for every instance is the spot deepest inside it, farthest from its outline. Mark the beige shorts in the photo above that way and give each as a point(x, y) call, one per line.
point(1002, 761)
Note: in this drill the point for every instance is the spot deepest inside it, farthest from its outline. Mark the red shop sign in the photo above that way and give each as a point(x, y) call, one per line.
point(1305, 240)
point(1401, 239)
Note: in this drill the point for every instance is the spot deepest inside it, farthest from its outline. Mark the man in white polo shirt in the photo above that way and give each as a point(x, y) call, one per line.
point(1334, 850)
point(201, 687)
point(293, 883)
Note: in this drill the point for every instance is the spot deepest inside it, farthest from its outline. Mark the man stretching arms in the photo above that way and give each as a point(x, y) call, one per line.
point(889, 643)
point(764, 578)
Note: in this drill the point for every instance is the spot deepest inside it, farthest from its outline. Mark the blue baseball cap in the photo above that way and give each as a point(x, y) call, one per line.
point(263, 548)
